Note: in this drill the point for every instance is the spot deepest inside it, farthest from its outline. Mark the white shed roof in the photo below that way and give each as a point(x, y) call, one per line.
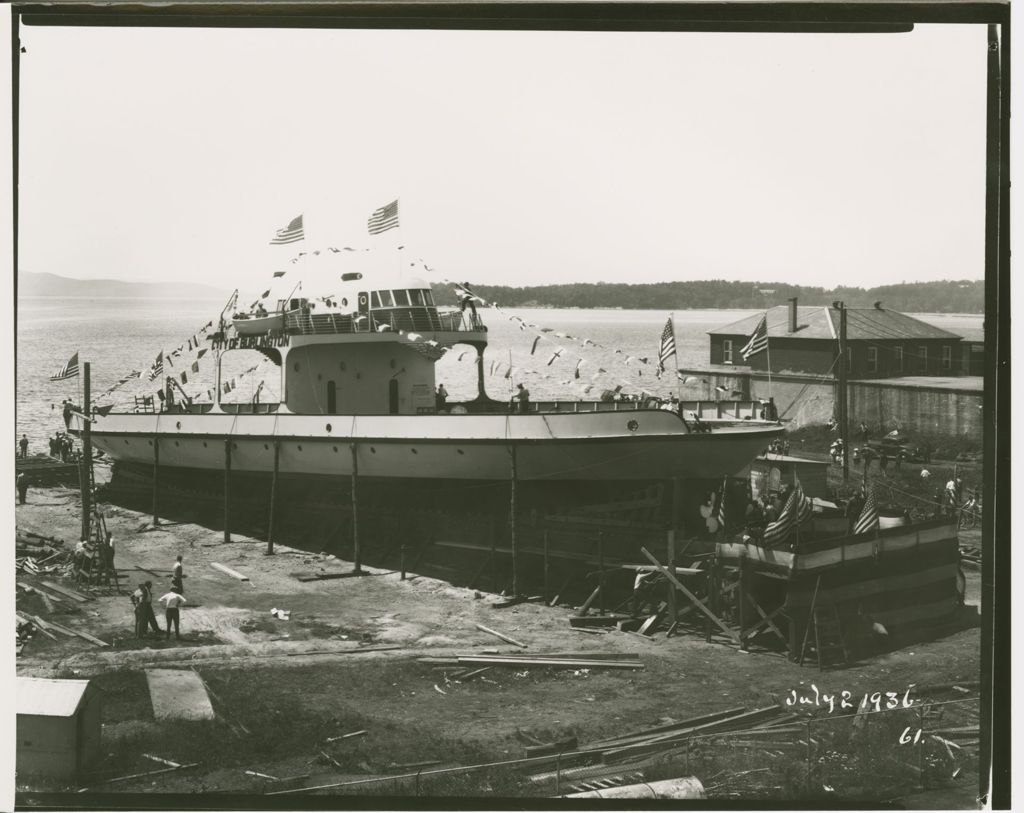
point(49, 698)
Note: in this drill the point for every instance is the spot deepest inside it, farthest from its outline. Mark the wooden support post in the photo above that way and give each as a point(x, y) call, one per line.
point(273, 499)
point(156, 480)
point(403, 562)
point(711, 601)
point(494, 557)
point(677, 505)
point(512, 524)
point(356, 552)
point(547, 569)
point(86, 478)
point(672, 609)
point(741, 599)
point(600, 567)
point(227, 490)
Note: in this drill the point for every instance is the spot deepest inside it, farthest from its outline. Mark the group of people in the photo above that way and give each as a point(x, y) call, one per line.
point(62, 446)
point(173, 600)
point(763, 510)
point(94, 558)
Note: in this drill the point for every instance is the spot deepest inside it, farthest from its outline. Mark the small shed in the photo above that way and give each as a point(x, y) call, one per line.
point(58, 728)
point(771, 471)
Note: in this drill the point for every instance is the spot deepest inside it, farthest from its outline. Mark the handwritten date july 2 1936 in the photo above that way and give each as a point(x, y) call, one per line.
point(869, 701)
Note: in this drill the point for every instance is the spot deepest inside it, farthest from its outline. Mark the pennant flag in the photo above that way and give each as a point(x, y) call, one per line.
point(265, 294)
point(190, 345)
point(202, 353)
point(586, 342)
point(195, 366)
point(281, 273)
point(508, 372)
point(758, 340)
point(555, 355)
point(534, 348)
point(868, 519)
point(157, 369)
point(463, 353)
point(291, 233)
point(576, 374)
point(208, 325)
point(722, 516)
point(69, 370)
point(184, 377)
point(384, 218)
point(134, 374)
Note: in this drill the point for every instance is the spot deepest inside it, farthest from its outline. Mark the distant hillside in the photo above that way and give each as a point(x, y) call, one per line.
point(33, 284)
point(948, 296)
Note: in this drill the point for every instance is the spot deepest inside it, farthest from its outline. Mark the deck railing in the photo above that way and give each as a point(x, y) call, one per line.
point(427, 320)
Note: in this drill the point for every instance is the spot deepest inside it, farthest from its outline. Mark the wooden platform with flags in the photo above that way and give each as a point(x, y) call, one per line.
point(43, 470)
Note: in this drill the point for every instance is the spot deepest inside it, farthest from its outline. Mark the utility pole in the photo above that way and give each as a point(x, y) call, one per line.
point(86, 453)
point(844, 418)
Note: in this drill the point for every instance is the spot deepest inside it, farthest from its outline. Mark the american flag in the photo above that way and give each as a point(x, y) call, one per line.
point(778, 531)
point(157, 369)
point(805, 508)
point(721, 503)
point(384, 218)
point(868, 519)
point(69, 370)
point(758, 340)
point(292, 233)
point(668, 344)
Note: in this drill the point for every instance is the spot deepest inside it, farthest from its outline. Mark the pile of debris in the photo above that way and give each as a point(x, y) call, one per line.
point(37, 554)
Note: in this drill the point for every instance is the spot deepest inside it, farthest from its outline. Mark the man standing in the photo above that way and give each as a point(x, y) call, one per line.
point(173, 601)
point(440, 398)
point(140, 618)
point(23, 445)
point(523, 397)
point(176, 573)
point(148, 617)
point(22, 484)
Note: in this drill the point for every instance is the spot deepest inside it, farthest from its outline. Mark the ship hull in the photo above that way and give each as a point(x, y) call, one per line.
point(638, 445)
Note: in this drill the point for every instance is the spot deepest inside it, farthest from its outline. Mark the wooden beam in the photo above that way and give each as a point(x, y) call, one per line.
point(500, 635)
point(696, 601)
point(233, 573)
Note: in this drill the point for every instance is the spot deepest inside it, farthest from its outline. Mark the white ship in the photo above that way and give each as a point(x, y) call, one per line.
point(355, 343)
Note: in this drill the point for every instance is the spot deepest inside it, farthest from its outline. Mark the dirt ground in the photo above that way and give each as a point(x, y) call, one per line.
point(278, 707)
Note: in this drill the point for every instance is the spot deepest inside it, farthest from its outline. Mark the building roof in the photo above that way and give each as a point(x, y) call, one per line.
point(822, 322)
point(46, 697)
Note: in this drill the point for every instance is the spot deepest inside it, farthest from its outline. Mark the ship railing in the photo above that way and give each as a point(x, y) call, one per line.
point(426, 320)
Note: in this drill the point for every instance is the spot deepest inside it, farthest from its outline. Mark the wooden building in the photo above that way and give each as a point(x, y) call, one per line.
point(803, 339)
point(58, 727)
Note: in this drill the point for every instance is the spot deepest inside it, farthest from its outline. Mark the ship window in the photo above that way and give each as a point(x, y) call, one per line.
point(415, 297)
point(386, 300)
point(428, 298)
point(374, 299)
point(402, 298)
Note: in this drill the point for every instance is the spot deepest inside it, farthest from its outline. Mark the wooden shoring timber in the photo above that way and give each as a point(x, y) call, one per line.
point(693, 599)
point(83, 635)
point(644, 734)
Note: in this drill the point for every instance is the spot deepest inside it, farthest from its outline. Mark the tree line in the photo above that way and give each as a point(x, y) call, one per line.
point(947, 296)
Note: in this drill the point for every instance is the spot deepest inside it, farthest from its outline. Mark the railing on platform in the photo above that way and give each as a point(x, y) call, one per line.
point(424, 319)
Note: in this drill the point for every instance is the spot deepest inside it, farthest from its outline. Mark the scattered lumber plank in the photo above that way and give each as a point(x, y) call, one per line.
point(64, 591)
point(559, 747)
point(343, 651)
point(351, 734)
point(645, 628)
point(329, 758)
point(227, 570)
point(500, 635)
point(596, 620)
point(588, 630)
point(144, 775)
point(585, 607)
point(28, 588)
point(682, 724)
point(596, 656)
point(168, 762)
point(261, 775)
point(84, 635)
point(39, 625)
point(583, 663)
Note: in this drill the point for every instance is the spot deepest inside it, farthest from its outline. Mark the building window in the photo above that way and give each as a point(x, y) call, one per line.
point(922, 358)
point(872, 359)
point(947, 357)
point(727, 351)
point(897, 359)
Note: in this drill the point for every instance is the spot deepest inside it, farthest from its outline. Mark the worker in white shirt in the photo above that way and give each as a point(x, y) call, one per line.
point(173, 601)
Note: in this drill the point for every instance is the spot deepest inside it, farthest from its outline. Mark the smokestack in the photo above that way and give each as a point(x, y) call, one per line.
point(792, 315)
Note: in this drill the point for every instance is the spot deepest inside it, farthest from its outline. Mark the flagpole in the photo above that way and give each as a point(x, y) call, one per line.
point(768, 350)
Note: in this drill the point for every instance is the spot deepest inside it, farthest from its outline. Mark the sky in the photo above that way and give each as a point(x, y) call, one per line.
point(518, 158)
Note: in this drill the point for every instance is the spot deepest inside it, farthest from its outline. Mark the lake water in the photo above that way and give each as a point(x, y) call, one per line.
point(121, 335)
